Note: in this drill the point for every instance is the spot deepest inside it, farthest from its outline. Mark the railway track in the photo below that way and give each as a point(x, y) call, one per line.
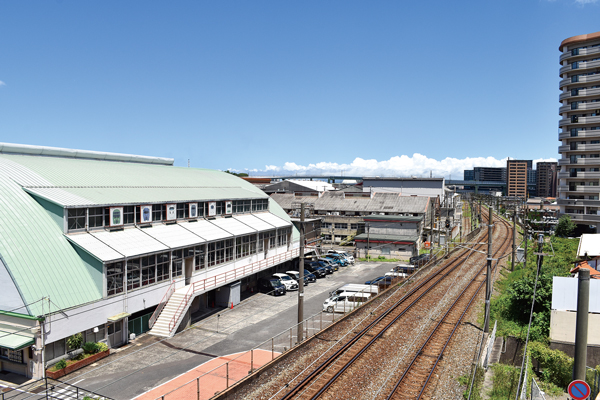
point(327, 379)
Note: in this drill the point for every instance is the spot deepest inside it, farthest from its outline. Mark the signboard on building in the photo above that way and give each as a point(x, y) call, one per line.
point(171, 212)
point(212, 208)
point(116, 216)
point(193, 210)
point(229, 207)
point(145, 214)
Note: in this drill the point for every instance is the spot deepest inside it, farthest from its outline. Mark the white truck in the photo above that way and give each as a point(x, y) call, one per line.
point(345, 301)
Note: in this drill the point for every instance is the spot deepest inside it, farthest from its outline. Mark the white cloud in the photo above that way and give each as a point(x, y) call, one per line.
point(586, 1)
point(400, 166)
point(2, 83)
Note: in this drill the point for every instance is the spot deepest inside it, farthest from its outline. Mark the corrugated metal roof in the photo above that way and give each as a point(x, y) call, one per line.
point(386, 238)
point(233, 226)
point(97, 248)
point(173, 235)
point(207, 230)
point(337, 201)
point(38, 257)
point(95, 182)
point(392, 218)
point(273, 220)
point(130, 242)
point(254, 222)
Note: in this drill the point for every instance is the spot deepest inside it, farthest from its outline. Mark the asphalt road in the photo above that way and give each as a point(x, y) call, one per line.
point(150, 361)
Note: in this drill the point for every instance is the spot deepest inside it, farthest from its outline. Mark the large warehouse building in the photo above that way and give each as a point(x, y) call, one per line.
point(93, 242)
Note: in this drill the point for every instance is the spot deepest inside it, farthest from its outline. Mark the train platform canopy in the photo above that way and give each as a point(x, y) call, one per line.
point(38, 259)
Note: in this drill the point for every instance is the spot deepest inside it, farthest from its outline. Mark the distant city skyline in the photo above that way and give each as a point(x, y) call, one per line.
point(384, 88)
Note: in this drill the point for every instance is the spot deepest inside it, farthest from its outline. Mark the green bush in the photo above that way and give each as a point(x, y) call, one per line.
point(565, 226)
point(90, 348)
point(75, 341)
point(556, 367)
point(102, 347)
point(60, 365)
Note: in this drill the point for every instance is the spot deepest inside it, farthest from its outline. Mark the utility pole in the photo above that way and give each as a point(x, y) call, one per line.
point(332, 236)
point(301, 281)
point(514, 240)
point(526, 233)
point(488, 278)
point(431, 230)
point(368, 240)
point(581, 326)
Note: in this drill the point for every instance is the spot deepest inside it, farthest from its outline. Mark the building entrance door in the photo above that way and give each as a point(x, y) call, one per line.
point(115, 334)
point(189, 268)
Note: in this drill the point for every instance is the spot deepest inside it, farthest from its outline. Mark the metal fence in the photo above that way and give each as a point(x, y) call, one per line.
point(592, 377)
point(223, 376)
point(536, 392)
point(50, 389)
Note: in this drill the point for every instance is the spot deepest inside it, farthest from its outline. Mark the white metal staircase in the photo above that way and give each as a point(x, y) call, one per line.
point(164, 325)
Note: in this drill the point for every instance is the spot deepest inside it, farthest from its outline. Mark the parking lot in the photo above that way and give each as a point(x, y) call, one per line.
point(149, 361)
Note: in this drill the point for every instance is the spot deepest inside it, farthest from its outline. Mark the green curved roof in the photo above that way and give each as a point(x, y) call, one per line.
point(37, 257)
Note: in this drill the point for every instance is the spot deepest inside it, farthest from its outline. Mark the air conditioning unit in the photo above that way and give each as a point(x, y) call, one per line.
point(132, 336)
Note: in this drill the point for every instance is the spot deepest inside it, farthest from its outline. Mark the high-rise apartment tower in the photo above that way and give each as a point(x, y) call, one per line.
point(579, 128)
point(516, 177)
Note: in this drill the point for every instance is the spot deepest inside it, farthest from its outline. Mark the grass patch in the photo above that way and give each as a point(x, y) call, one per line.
point(505, 382)
point(465, 380)
point(381, 259)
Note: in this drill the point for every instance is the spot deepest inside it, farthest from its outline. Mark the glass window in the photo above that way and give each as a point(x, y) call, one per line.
point(340, 226)
point(148, 270)
point(15, 356)
point(133, 274)
point(114, 278)
point(574, 79)
point(96, 217)
point(158, 212)
point(245, 246)
point(260, 204)
point(128, 214)
point(183, 211)
point(199, 257)
point(575, 65)
point(76, 218)
point(162, 267)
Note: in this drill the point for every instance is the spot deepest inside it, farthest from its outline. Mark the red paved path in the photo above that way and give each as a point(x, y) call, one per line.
point(185, 386)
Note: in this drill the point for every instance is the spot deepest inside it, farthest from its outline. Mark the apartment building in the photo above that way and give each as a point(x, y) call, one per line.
point(579, 128)
point(546, 179)
point(516, 177)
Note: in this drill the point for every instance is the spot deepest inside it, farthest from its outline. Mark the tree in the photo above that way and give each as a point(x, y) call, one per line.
point(565, 226)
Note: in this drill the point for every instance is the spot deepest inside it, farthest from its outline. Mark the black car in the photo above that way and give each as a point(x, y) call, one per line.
point(315, 269)
point(420, 260)
point(335, 266)
point(271, 286)
point(374, 281)
point(328, 268)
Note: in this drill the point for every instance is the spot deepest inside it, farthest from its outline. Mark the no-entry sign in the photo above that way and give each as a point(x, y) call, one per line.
point(579, 390)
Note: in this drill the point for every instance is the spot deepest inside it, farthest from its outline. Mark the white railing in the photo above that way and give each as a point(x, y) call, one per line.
point(536, 392)
point(161, 305)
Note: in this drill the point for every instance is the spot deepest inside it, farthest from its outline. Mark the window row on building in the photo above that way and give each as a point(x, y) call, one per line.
point(144, 271)
point(338, 225)
point(80, 219)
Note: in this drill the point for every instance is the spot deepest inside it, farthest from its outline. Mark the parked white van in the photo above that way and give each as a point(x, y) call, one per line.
point(356, 287)
point(345, 301)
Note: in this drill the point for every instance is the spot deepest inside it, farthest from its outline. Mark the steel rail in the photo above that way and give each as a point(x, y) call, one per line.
point(439, 324)
point(334, 357)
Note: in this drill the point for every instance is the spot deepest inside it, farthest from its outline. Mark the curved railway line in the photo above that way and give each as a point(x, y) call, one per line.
point(415, 373)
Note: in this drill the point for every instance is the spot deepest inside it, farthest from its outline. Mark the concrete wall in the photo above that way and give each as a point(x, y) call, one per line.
point(562, 327)
point(395, 228)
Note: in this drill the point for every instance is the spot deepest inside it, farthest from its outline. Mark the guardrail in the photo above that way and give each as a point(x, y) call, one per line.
point(225, 277)
point(161, 305)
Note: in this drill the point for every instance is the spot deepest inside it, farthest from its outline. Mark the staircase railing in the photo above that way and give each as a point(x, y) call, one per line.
point(161, 305)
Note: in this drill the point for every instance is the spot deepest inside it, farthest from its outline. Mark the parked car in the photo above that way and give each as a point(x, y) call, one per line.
point(344, 254)
point(328, 267)
point(308, 277)
point(338, 259)
point(315, 269)
point(374, 281)
point(272, 286)
point(345, 301)
point(288, 281)
point(387, 280)
point(329, 262)
point(420, 260)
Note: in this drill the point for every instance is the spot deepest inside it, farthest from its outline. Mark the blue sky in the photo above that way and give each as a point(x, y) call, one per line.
point(363, 87)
